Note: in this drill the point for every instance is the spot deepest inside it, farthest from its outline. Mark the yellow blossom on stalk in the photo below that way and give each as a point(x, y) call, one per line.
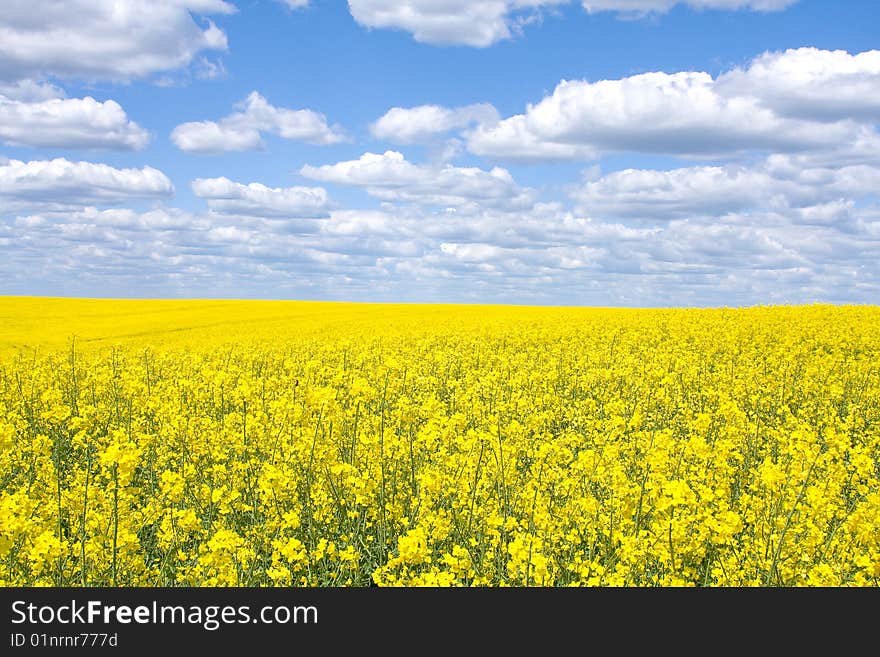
point(336, 445)
point(349, 555)
point(7, 436)
point(171, 485)
point(45, 551)
point(675, 493)
point(186, 519)
point(291, 549)
point(459, 562)
point(527, 563)
point(412, 547)
point(120, 453)
point(15, 509)
point(222, 558)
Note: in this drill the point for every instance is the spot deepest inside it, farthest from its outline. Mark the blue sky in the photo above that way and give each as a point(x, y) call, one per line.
point(604, 152)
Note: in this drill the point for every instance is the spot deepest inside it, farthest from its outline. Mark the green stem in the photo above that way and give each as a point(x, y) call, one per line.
point(82, 531)
point(115, 521)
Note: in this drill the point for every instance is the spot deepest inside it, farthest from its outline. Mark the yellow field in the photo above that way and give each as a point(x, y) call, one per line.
point(284, 443)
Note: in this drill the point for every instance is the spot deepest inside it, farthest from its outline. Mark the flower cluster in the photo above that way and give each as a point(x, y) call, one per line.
point(465, 446)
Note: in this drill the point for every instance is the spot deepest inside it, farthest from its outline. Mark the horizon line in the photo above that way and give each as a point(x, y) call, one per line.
point(433, 303)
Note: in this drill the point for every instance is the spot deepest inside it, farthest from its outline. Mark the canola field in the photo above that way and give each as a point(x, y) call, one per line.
point(248, 443)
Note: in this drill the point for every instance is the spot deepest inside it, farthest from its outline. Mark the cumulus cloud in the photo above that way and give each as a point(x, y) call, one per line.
point(515, 139)
point(478, 23)
point(411, 125)
point(67, 123)
point(29, 91)
point(661, 195)
point(225, 196)
point(242, 130)
point(680, 114)
point(389, 176)
point(60, 183)
point(776, 185)
point(95, 39)
point(481, 23)
point(810, 83)
point(545, 253)
point(642, 7)
point(736, 260)
point(159, 219)
point(863, 148)
point(209, 137)
point(799, 101)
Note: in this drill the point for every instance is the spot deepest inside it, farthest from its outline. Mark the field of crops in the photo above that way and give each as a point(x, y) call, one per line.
point(219, 443)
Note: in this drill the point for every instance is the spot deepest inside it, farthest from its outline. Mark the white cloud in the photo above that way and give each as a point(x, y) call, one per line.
point(30, 91)
point(661, 195)
point(478, 23)
point(410, 125)
point(638, 7)
point(68, 123)
point(241, 131)
point(474, 252)
point(160, 219)
point(225, 196)
point(296, 4)
point(544, 254)
point(481, 23)
point(391, 177)
point(777, 185)
point(833, 213)
point(799, 100)
point(810, 83)
point(514, 139)
point(61, 183)
point(821, 183)
point(207, 69)
point(680, 114)
point(209, 137)
point(96, 39)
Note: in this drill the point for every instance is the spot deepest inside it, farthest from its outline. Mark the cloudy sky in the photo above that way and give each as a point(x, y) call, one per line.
point(576, 152)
